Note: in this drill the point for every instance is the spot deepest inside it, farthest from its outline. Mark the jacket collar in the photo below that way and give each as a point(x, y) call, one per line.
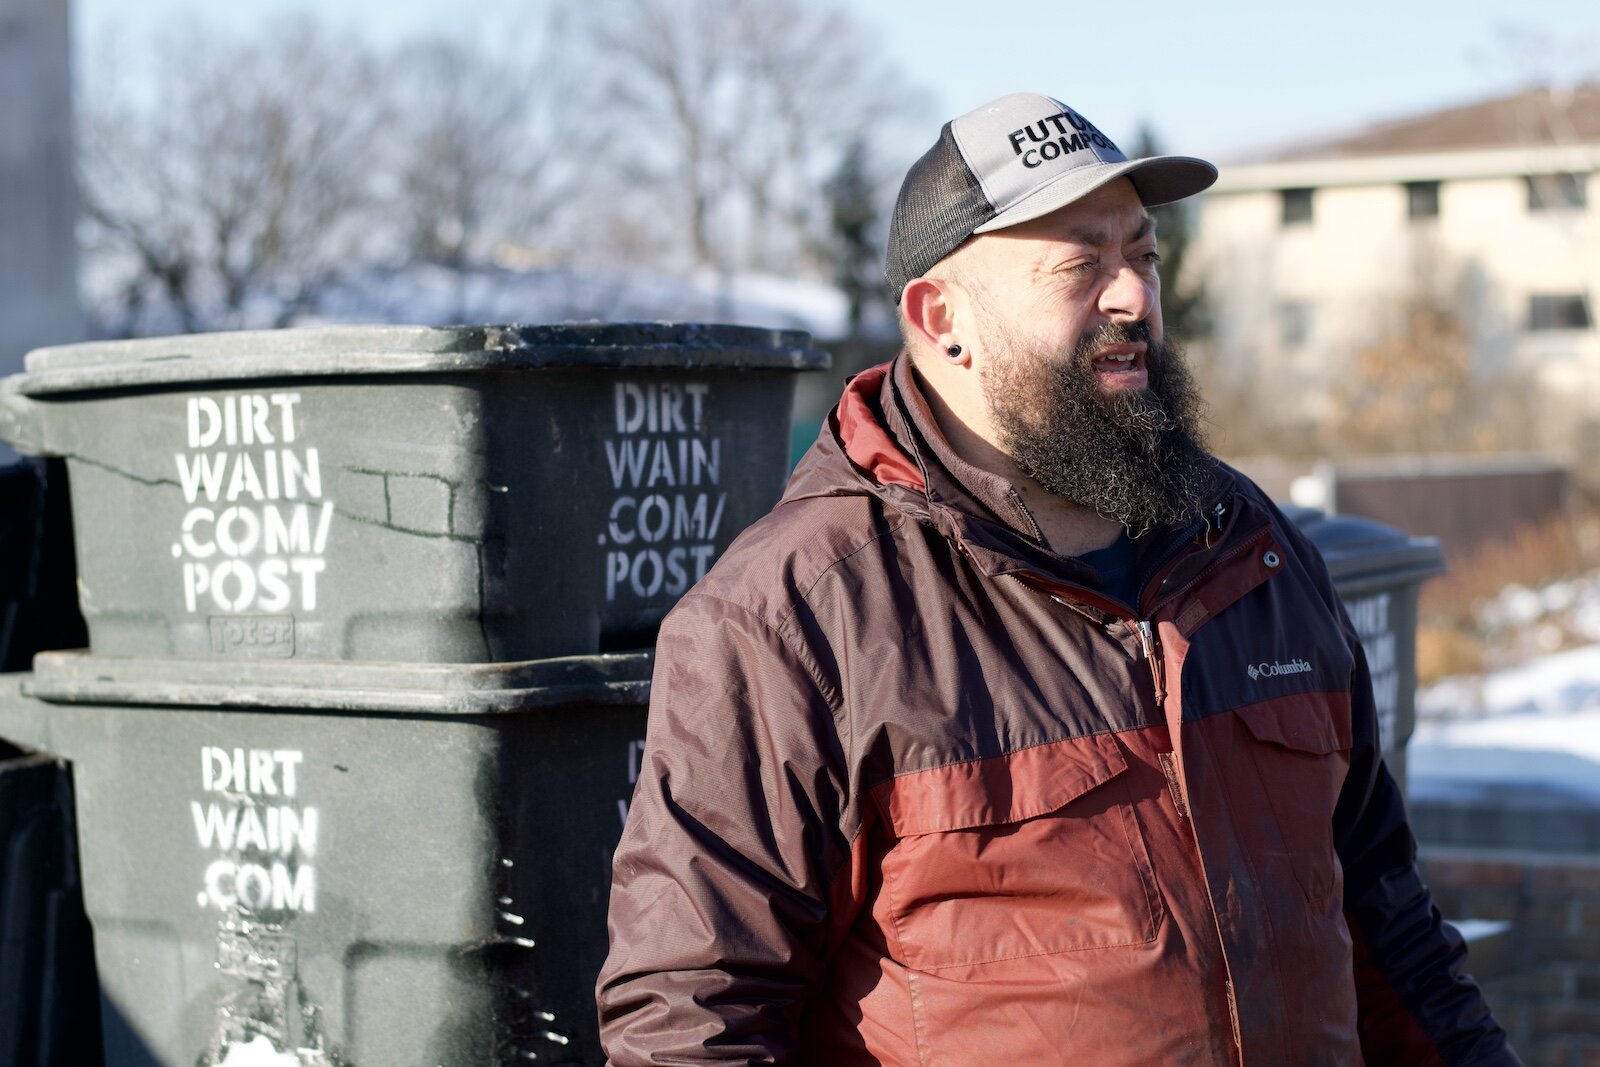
point(949, 478)
point(884, 433)
point(885, 427)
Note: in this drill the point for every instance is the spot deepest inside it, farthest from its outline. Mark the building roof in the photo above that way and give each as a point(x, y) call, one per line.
point(1534, 117)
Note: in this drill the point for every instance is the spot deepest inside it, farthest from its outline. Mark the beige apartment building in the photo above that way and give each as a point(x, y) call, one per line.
point(1485, 213)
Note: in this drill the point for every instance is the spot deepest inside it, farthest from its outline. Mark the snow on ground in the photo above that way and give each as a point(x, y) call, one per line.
point(430, 295)
point(422, 294)
point(1522, 621)
point(1536, 724)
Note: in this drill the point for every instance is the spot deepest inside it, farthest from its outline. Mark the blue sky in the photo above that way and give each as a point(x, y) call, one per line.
point(1214, 79)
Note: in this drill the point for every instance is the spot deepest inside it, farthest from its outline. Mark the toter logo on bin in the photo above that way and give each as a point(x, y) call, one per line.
point(253, 537)
point(252, 635)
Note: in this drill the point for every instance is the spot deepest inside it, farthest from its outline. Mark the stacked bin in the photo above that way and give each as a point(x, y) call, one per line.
point(369, 614)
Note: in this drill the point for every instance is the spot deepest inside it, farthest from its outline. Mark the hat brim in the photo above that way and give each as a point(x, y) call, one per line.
point(1157, 179)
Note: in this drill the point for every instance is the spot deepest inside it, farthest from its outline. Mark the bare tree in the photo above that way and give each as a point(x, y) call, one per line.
point(854, 248)
point(673, 65)
point(489, 143)
point(740, 111)
point(828, 94)
point(232, 187)
point(1414, 386)
point(238, 179)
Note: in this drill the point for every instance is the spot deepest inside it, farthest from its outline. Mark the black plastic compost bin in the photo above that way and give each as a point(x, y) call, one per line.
point(48, 1001)
point(38, 596)
point(1378, 572)
point(469, 495)
point(337, 864)
point(350, 798)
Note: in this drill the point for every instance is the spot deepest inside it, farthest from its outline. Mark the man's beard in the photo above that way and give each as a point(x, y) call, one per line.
point(1137, 456)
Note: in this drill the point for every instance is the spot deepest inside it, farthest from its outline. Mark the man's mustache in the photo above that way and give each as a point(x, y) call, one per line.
point(1115, 333)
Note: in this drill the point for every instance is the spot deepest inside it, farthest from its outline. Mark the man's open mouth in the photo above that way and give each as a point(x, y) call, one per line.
point(1119, 361)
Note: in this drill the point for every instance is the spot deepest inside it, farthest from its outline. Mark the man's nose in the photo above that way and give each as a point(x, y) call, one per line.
point(1128, 295)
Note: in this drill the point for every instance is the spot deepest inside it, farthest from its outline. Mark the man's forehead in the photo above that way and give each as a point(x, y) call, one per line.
point(1113, 215)
point(1083, 223)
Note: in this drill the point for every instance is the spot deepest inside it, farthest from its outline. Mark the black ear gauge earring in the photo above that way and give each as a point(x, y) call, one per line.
point(953, 351)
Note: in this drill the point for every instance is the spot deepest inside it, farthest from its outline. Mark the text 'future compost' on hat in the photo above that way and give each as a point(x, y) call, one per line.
point(1015, 159)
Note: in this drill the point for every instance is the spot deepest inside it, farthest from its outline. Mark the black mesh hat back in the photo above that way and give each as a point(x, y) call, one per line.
point(939, 205)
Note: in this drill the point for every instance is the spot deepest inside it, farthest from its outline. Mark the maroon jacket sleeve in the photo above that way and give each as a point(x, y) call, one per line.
point(719, 899)
point(1417, 1005)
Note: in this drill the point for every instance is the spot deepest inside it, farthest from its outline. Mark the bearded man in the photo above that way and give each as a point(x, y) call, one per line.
point(957, 757)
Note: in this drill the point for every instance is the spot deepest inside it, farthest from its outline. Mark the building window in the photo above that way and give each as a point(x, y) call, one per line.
point(1296, 206)
point(1563, 311)
point(1422, 200)
point(1552, 192)
point(1294, 323)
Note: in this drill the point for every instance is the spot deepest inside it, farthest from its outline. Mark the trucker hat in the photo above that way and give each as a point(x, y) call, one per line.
point(1015, 159)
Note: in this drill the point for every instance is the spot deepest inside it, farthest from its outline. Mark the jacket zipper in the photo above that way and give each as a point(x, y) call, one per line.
point(1214, 519)
point(1145, 627)
point(1152, 655)
point(1213, 522)
point(1145, 630)
point(1142, 629)
point(1174, 549)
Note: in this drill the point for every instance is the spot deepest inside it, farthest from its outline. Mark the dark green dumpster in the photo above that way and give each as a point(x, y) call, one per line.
point(369, 615)
point(38, 595)
point(347, 863)
point(48, 1000)
point(404, 494)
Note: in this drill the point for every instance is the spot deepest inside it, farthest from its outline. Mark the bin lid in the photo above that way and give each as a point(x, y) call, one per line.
point(1363, 555)
point(428, 689)
point(387, 350)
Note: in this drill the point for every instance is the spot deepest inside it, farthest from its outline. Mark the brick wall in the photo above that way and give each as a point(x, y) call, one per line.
point(1542, 978)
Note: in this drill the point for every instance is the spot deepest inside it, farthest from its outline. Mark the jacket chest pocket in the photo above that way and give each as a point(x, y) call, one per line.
point(1299, 748)
point(1027, 854)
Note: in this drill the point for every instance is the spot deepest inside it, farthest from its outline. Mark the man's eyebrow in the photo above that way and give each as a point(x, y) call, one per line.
point(1095, 238)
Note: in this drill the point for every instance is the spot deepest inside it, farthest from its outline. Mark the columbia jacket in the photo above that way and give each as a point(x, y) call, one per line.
point(916, 792)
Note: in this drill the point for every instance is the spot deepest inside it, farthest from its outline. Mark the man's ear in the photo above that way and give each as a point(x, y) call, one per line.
point(931, 307)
